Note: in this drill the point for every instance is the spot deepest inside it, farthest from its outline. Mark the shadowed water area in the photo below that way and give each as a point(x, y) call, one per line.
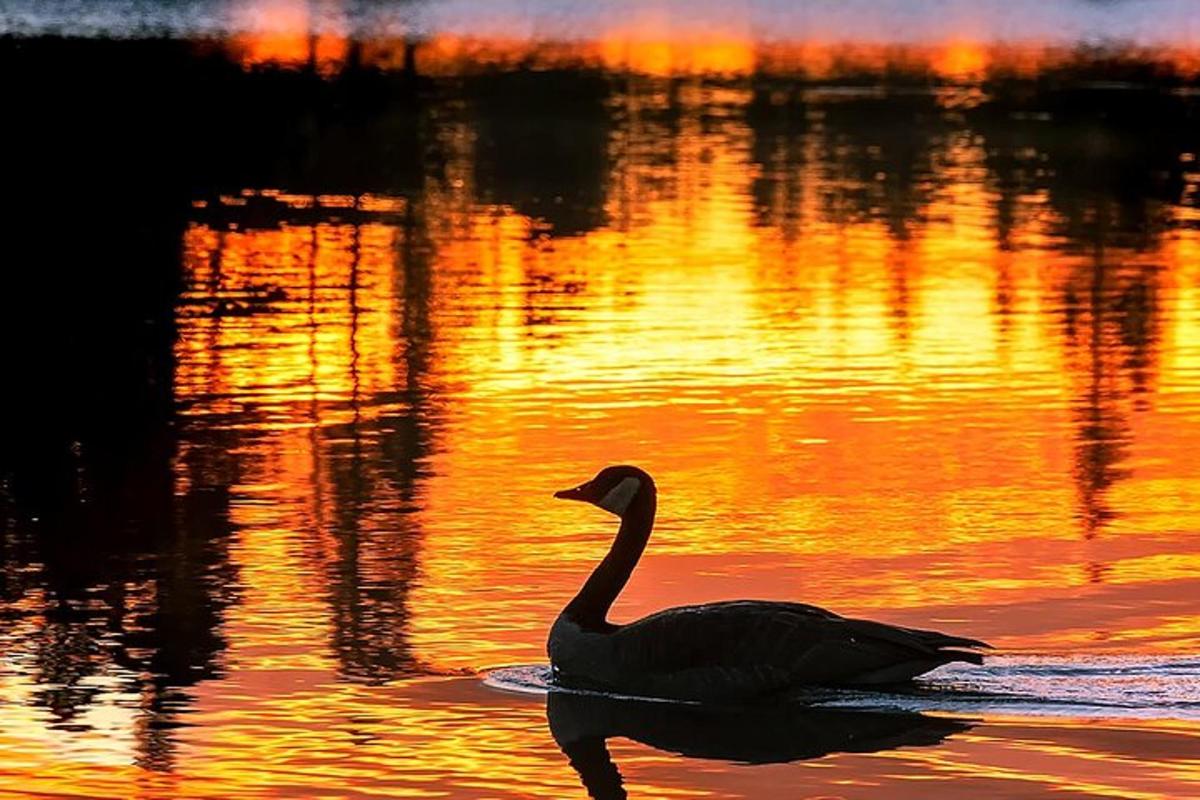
point(308, 307)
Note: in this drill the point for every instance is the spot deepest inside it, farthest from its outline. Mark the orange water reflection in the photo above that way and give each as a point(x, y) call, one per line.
point(953, 424)
point(922, 372)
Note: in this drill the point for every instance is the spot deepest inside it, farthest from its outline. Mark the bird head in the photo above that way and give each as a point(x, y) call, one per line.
point(614, 489)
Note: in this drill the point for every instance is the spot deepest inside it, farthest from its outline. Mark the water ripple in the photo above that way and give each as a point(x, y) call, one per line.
point(1099, 687)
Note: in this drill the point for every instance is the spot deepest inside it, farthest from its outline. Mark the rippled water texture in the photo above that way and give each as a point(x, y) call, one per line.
point(1092, 687)
point(310, 306)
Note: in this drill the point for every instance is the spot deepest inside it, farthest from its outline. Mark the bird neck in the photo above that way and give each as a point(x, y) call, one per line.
point(590, 607)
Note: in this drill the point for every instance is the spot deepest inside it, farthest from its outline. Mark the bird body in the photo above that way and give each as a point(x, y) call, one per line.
point(734, 650)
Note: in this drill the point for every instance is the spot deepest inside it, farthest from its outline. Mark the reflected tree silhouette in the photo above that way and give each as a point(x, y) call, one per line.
point(379, 543)
point(874, 152)
point(1109, 317)
point(1109, 164)
point(542, 139)
point(116, 508)
point(1111, 329)
point(1102, 429)
point(121, 581)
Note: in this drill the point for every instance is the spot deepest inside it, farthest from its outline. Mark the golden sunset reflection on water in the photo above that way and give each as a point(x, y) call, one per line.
point(889, 352)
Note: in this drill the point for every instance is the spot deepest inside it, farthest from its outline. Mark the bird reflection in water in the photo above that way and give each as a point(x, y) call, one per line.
point(582, 724)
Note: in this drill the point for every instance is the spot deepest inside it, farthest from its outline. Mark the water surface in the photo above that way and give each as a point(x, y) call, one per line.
point(902, 311)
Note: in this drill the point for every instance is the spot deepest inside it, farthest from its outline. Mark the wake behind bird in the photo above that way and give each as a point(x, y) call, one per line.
point(1089, 687)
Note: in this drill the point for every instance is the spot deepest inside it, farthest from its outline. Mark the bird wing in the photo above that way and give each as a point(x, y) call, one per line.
point(749, 648)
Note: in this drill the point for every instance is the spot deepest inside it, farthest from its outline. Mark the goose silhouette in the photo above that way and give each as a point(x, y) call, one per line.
point(735, 650)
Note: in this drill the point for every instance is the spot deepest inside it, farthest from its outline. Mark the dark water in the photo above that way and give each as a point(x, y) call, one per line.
point(308, 307)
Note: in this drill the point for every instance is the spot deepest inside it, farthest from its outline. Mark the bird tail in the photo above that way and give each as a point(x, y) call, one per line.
point(941, 640)
point(961, 655)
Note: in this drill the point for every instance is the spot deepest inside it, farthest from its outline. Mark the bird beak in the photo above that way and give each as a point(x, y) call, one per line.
point(578, 493)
